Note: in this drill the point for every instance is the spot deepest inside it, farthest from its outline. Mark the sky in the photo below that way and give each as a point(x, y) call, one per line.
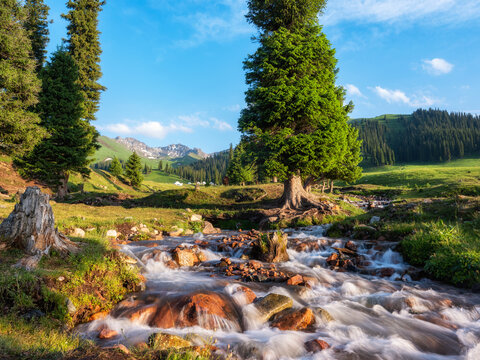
point(174, 68)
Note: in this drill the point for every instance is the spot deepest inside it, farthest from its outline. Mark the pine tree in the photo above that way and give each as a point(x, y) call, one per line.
point(115, 167)
point(84, 46)
point(36, 25)
point(295, 117)
point(133, 170)
point(238, 171)
point(19, 84)
point(160, 165)
point(68, 149)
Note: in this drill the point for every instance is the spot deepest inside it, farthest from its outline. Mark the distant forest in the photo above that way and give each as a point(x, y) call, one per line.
point(425, 136)
point(211, 169)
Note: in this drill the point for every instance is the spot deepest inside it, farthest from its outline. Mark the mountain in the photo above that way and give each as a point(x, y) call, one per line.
point(174, 151)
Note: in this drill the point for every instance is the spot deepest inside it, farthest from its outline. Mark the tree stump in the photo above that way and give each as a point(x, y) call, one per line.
point(31, 228)
point(271, 248)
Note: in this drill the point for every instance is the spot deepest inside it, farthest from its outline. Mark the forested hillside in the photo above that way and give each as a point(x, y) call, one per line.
point(425, 136)
point(211, 169)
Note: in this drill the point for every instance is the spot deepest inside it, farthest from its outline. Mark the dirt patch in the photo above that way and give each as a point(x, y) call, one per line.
point(11, 182)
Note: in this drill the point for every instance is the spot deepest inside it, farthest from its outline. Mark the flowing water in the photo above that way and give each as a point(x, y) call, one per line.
point(374, 317)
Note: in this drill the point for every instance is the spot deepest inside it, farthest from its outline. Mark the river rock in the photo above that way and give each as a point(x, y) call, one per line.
point(198, 309)
point(316, 345)
point(374, 220)
point(323, 314)
point(188, 232)
point(272, 304)
point(295, 280)
point(161, 341)
point(247, 294)
point(176, 232)
point(295, 320)
point(185, 257)
point(142, 314)
point(107, 333)
point(99, 316)
point(210, 229)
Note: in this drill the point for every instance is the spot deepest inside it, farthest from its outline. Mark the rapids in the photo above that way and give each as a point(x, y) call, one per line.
point(374, 317)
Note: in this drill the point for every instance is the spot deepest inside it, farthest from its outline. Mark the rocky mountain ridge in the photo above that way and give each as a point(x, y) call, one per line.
point(171, 151)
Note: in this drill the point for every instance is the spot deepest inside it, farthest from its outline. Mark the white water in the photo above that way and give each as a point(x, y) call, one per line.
point(374, 318)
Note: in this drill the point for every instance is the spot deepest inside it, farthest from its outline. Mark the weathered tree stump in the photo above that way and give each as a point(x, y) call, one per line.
point(31, 228)
point(271, 248)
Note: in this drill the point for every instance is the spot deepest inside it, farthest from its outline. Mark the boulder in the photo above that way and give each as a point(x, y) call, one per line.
point(272, 304)
point(188, 232)
point(247, 294)
point(160, 341)
point(77, 232)
point(141, 314)
point(323, 314)
point(374, 220)
point(209, 229)
point(185, 257)
point(295, 320)
point(98, 316)
point(176, 232)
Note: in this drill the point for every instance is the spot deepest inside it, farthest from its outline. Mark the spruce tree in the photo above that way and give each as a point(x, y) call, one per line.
point(115, 167)
point(19, 84)
point(133, 170)
point(295, 119)
point(239, 172)
point(36, 24)
point(68, 149)
point(84, 46)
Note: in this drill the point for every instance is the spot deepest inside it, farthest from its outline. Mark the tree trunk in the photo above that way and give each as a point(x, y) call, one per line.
point(309, 184)
point(323, 186)
point(275, 179)
point(31, 228)
point(295, 197)
point(331, 187)
point(62, 190)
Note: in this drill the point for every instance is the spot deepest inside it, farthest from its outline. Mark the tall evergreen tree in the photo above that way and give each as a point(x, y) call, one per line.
point(68, 149)
point(19, 85)
point(115, 167)
point(84, 46)
point(295, 116)
point(36, 24)
point(133, 170)
point(239, 172)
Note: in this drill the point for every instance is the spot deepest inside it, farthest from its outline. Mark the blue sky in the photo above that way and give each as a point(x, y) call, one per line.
point(173, 68)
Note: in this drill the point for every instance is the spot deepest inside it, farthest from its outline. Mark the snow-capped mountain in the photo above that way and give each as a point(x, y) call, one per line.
point(171, 151)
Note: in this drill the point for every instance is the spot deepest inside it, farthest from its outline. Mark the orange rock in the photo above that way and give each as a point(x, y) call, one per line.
point(107, 333)
point(185, 257)
point(166, 317)
point(295, 320)
point(248, 293)
point(295, 280)
point(332, 259)
point(98, 316)
point(142, 314)
point(255, 264)
point(316, 345)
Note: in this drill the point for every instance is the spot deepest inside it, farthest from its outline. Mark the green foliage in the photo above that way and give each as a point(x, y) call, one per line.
point(133, 170)
point(295, 121)
point(69, 147)
point(19, 85)
point(239, 170)
point(116, 168)
point(36, 25)
point(271, 15)
point(84, 46)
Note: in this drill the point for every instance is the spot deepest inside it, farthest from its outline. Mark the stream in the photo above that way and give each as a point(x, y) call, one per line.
point(382, 309)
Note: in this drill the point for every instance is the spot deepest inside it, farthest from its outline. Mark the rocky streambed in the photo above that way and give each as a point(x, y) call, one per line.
point(331, 299)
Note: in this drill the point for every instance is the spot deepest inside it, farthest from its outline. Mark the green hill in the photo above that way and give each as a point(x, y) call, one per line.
point(426, 136)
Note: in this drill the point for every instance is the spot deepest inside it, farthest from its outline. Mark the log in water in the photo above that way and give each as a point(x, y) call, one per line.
point(363, 301)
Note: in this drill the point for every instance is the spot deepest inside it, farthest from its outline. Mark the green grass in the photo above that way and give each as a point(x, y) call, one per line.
point(157, 176)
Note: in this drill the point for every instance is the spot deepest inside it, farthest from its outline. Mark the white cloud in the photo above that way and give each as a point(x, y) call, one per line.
point(353, 90)
point(233, 108)
point(392, 96)
point(150, 129)
point(220, 125)
point(398, 96)
point(401, 11)
point(193, 120)
point(437, 66)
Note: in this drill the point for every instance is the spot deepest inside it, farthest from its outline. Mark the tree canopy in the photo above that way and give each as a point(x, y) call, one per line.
point(36, 24)
point(68, 148)
point(133, 170)
point(19, 85)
